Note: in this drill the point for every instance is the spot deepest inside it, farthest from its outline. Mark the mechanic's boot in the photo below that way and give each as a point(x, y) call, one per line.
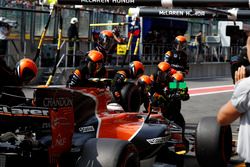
point(183, 147)
point(180, 149)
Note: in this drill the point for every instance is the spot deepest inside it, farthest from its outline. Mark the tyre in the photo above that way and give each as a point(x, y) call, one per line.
point(213, 145)
point(108, 153)
point(130, 98)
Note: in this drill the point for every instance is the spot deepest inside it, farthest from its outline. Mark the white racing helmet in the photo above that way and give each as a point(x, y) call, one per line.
point(74, 20)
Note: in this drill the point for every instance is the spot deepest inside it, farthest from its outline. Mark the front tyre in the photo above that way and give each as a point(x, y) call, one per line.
point(213, 143)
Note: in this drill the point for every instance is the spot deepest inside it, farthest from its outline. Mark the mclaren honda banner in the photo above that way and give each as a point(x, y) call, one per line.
point(163, 3)
point(186, 13)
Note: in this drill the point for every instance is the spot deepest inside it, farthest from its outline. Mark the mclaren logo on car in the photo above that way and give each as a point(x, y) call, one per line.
point(23, 111)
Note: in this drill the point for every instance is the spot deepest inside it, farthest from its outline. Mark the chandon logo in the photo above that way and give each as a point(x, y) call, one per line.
point(24, 111)
point(57, 102)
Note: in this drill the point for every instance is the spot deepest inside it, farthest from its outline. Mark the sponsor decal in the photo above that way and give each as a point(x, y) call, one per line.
point(182, 13)
point(196, 13)
point(62, 129)
point(61, 121)
point(171, 12)
point(60, 141)
point(23, 111)
point(158, 140)
point(108, 1)
point(46, 125)
point(57, 102)
point(87, 129)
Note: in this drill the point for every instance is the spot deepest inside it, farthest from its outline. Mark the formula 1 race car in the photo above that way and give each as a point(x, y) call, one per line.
point(77, 127)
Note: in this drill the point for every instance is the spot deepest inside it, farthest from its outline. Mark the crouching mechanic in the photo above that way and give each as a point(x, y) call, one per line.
point(92, 67)
point(161, 93)
point(25, 71)
point(145, 83)
point(136, 69)
point(161, 78)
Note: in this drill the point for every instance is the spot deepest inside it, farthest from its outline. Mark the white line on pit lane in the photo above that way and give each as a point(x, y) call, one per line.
point(207, 93)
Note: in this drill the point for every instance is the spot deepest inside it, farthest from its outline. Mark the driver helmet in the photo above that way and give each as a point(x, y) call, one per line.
point(26, 70)
point(136, 69)
point(105, 39)
point(74, 20)
point(180, 42)
point(95, 61)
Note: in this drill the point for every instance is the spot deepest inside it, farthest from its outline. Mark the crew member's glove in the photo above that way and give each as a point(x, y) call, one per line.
point(184, 94)
point(159, 97)
point(74, 80)
point(117, 94)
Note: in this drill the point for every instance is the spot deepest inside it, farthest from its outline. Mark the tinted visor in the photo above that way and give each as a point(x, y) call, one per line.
point(180, 46)
point(94, 66)
point(104, 41)
point(163, 76)
point(27, 75)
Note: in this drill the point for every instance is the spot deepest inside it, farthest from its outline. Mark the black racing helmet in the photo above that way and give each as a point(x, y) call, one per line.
point(26, 70)
point(105, 39)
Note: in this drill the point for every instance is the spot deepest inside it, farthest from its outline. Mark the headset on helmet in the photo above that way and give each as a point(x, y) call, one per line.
point(74, 20)
point(136, 69)
point(105, 39)
point(26, 70)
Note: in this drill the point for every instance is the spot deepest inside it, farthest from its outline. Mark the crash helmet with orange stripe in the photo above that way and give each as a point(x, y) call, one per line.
point(178, 76)
point(105, 39)
point(95, 61)
point(163, 66)
point(180, 42)
point(163, 72)
point(26, 70)
point(95, 56)
point(145, 80)
point(136, 69)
